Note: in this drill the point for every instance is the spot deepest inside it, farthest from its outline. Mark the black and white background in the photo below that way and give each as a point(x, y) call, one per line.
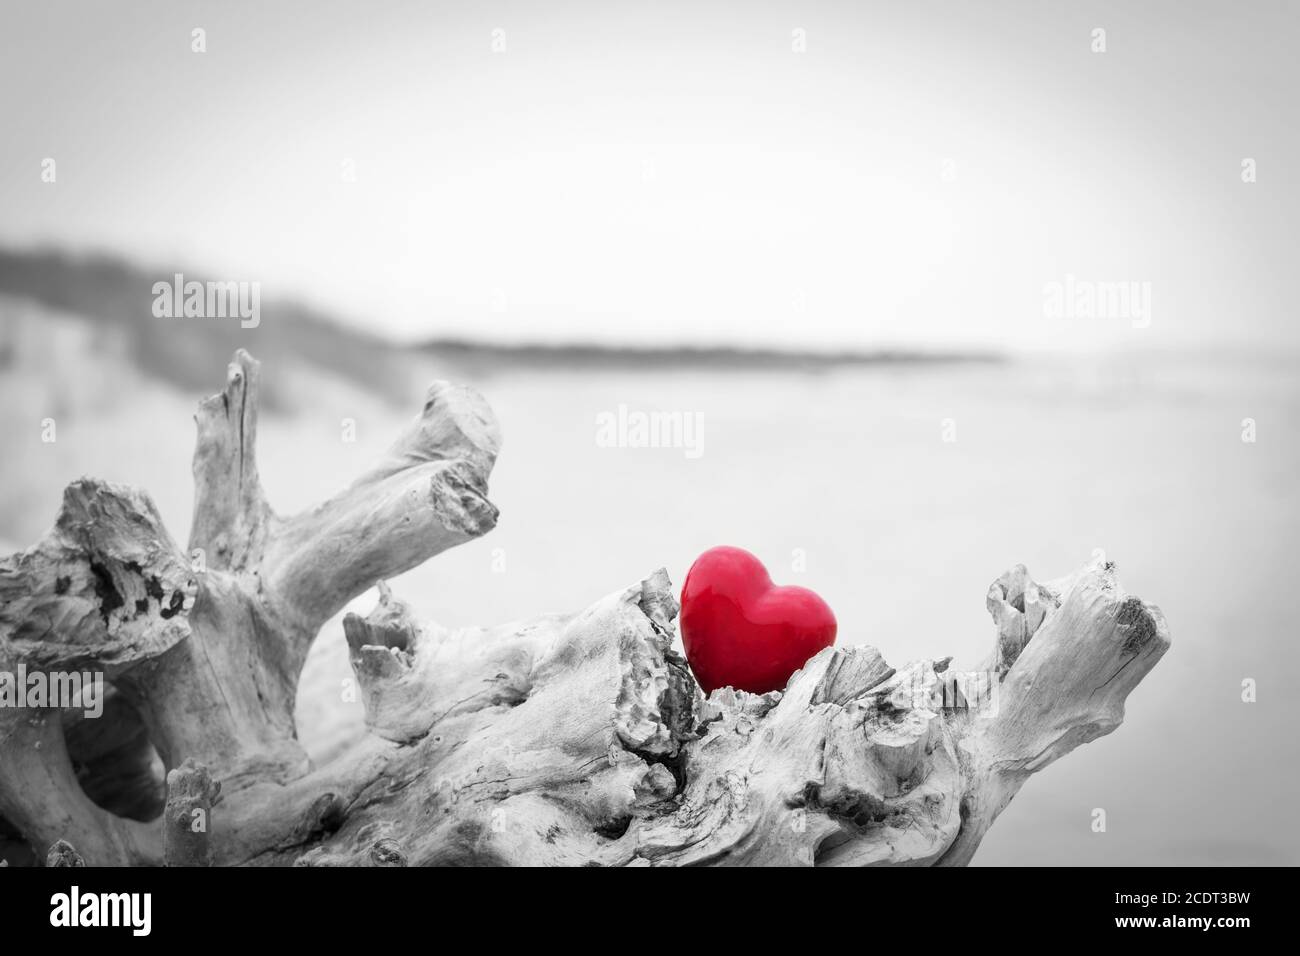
point(944, 286)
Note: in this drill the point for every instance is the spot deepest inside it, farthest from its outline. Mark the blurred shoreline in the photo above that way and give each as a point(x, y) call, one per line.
point(117, 291)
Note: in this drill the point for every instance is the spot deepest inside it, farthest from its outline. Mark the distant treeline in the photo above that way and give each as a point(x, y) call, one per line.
point(185, 351)
point(190, 352)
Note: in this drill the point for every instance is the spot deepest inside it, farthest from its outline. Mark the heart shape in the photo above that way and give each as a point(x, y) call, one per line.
point(741, 630)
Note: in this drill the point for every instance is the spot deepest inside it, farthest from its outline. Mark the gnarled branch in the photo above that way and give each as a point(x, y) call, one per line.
point(570, 739)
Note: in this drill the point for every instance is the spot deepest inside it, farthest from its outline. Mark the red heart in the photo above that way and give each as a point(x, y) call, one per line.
point(740, 629)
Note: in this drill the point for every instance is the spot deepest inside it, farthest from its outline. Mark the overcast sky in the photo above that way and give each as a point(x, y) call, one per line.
point(677, 171)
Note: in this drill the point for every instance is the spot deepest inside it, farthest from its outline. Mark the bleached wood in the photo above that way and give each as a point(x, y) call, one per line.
point(571, 739)
point(191, 793)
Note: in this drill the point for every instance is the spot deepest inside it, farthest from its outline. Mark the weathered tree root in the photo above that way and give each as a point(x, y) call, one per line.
point(572, 739)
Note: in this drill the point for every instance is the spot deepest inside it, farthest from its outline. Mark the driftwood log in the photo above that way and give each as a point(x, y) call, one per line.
point(576, 739)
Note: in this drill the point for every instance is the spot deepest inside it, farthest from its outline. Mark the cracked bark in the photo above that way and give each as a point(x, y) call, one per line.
point(576, 739)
